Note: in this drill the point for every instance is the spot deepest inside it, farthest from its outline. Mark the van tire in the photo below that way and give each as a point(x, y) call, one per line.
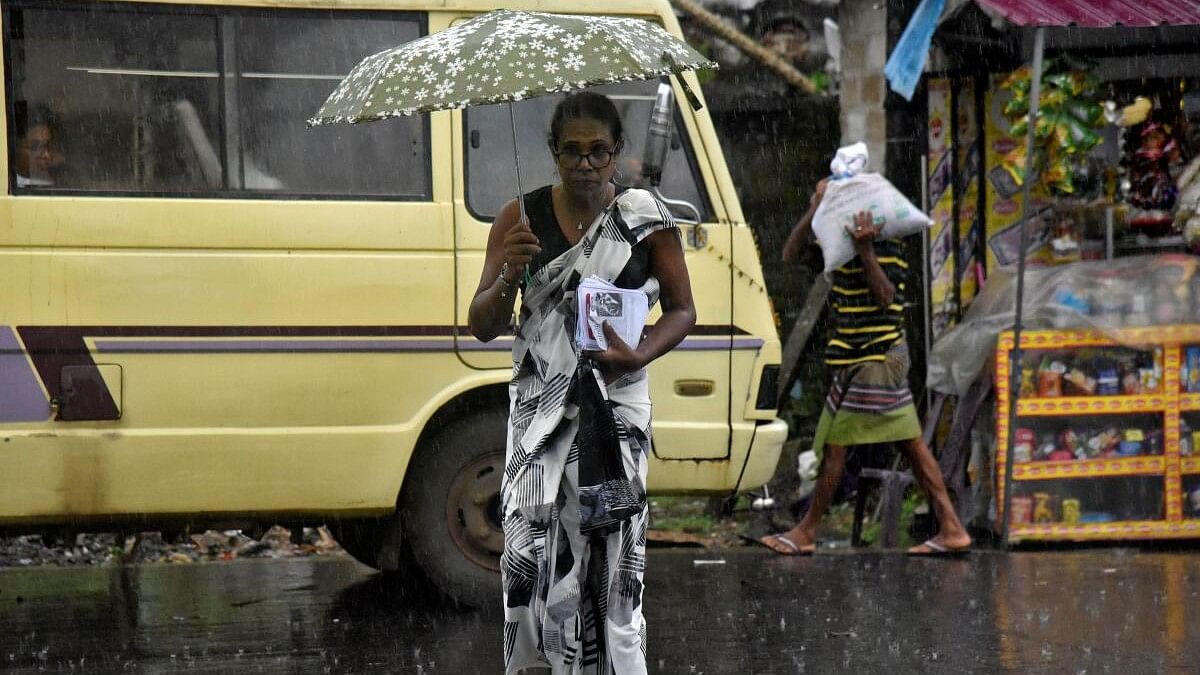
point(450, 507)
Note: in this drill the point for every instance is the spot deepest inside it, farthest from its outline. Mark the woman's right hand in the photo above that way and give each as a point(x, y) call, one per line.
point(520, 245)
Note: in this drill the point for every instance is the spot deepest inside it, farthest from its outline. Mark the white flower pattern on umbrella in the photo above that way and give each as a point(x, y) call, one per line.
point(505, 55)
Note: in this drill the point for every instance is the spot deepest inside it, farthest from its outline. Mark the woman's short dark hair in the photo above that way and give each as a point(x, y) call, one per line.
point(586, 105)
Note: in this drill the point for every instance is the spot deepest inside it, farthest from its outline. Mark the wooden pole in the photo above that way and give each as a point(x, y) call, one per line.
point(722, 29)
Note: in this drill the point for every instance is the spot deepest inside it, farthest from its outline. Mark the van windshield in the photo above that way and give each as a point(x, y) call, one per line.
point(491, 176)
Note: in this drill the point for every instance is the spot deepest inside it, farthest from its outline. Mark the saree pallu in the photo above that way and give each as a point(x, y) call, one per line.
point(573, 494)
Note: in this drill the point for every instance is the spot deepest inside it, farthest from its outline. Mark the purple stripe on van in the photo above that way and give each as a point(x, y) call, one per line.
point(270, 346)
point(21, 397)
point(267, 346)
point(737, 343)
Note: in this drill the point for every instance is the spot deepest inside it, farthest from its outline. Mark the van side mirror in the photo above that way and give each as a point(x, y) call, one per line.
point(658, 135)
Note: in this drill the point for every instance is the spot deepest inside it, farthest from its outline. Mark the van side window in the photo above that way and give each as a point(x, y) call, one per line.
point(157, 101)
point(284, 79)
point(491, 178)
point(114, 101)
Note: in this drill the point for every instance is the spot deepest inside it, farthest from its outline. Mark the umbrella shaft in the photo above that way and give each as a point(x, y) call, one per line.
point(512, 117)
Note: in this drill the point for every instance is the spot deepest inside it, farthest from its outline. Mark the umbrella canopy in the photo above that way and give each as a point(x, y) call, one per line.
point(505, 55)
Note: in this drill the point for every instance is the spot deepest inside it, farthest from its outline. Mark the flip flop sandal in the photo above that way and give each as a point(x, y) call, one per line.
point(937, 550)
point(796, 549)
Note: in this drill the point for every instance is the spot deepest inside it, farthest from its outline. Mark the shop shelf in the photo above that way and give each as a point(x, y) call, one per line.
point(1141, 335)
point(1091, 468)
point(1189, 402)
point(1139, 529)
point(1189, 465)
point(1091, 405)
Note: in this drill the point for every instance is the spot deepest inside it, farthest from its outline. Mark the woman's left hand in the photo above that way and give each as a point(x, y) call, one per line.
point(619, 359)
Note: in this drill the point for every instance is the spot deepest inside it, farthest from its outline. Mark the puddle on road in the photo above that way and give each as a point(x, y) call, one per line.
point(1093, 611)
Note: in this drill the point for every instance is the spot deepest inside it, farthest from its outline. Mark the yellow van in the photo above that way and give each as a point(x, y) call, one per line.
point(211, 314)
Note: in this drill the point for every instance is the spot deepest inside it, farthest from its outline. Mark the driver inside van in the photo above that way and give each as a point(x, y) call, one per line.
point(39, 156)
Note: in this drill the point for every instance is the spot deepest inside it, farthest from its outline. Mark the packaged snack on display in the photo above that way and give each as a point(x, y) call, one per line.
point(1131, 442)
point(1071, 510)
point(1022, 509)
point(1023, 448)
point(1191, 366)
point(1104, 443)
point(1043, 508)
point(1050, 376)
point(1088, 372)
point(1149, 380)
point(1131, 384)
point(1108, 380)
point(1027, 388)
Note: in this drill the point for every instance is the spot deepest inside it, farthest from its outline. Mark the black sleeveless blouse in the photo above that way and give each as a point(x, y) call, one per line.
point(539, 208)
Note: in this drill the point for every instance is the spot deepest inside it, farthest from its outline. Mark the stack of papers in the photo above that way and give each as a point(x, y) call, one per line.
point(599, 301)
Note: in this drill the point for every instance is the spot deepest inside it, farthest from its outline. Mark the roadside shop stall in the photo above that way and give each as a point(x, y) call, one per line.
point(1095, 350)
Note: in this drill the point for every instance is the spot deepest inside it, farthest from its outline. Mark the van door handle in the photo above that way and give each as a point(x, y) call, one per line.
point(694, 387)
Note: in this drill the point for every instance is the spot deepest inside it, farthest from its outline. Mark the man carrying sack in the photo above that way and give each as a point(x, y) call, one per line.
point(869, 400)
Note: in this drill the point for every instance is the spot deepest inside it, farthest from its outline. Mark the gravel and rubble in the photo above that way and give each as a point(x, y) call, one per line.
point(152, 547)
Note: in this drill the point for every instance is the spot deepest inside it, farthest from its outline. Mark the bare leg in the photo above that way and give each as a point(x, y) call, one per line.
point(804, 534)
point(951, 533)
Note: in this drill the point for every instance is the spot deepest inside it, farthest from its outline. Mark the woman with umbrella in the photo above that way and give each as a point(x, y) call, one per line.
point(573, 491)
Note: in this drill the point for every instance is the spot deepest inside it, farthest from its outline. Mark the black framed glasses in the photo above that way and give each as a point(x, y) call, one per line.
point(597, 158)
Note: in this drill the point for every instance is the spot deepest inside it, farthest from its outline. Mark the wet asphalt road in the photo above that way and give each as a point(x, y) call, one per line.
point(1092, 611)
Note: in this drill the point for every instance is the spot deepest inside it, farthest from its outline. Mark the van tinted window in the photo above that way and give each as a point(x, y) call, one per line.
point(200, 101)
point(491, 178)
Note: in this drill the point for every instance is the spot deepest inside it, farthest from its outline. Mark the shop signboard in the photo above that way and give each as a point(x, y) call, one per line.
point(970, 223)
point(941, 203)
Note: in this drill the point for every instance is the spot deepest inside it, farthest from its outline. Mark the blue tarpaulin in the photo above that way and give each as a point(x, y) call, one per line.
point(907, 62)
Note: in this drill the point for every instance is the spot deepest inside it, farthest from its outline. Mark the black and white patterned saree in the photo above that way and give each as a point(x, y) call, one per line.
point(573, 494)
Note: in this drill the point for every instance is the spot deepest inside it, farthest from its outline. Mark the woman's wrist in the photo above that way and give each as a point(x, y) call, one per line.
point(509, 274)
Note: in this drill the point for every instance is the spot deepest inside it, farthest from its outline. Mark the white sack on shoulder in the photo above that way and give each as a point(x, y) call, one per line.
point(863, 192)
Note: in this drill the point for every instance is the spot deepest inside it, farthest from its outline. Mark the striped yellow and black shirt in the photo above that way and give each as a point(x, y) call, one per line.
point(861, 330)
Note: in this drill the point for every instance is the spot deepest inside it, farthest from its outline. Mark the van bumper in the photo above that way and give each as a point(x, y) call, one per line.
point(764, 443)
point(764, 454)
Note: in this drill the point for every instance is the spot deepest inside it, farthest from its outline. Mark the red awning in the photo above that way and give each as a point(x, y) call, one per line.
point(1095, 13)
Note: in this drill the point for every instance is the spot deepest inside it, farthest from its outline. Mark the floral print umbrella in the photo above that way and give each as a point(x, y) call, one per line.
point(506, 55)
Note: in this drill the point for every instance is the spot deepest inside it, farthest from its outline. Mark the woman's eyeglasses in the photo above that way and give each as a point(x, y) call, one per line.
point(597, 159)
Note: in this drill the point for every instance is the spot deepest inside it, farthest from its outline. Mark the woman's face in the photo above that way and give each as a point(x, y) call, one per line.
point(586, 156)
point(35, 154)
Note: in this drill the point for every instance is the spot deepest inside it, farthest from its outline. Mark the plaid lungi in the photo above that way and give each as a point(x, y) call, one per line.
point(869, 403)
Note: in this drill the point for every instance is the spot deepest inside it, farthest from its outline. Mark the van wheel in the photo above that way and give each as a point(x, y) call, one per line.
point(451, 508)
